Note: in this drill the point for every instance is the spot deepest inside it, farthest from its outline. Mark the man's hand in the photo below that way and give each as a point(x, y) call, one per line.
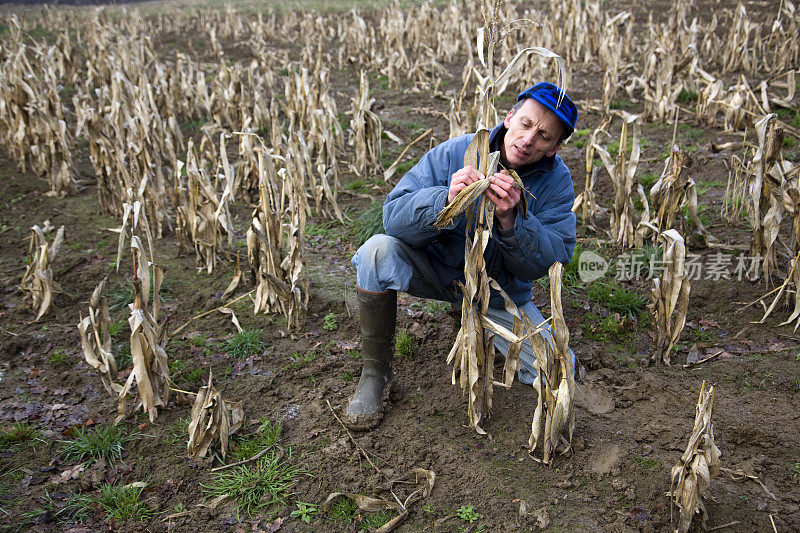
point(505, 198)
point(461, 179)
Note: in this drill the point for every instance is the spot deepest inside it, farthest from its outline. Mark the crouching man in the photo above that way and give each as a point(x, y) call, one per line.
point(416, 257)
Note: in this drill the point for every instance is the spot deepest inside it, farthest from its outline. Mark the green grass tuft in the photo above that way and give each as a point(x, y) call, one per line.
point(405, 344)
point(17, 433)
point(261, 487)
point(265, 436)
point(616, 298)
point(368, 223)
point(92, 444)
point(245, 343)
point(118, 502)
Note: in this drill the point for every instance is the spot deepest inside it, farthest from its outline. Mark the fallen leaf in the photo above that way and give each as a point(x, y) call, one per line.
point(708, 323)
point(73, 472)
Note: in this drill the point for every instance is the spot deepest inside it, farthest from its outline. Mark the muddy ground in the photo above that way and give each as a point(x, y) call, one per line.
point(632, 421)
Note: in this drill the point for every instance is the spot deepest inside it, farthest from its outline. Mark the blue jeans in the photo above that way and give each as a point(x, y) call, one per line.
point(387, 263)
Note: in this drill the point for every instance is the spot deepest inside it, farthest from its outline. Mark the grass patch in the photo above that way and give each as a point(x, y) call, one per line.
point(261, 487)
point(299, 361)
point(405, 344)
point(265, 435)
point(436, 307)
point(621, 103)
point(368, 223)
point(58, 358)
point(123, 356)
point(648, 180)
point(117, 502)
point(17, 433)
point(616, 298)
point(92, 444)
point(646, 462)
point(245, 343)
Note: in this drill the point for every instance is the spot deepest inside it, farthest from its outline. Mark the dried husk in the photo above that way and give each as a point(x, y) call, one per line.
point(37, 281)
point(691, 476)
point(213, 421)
point(670, 294)
point(555, 379)
point(96, 340)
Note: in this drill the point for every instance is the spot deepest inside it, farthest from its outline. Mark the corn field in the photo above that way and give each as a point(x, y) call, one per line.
point(232, 153)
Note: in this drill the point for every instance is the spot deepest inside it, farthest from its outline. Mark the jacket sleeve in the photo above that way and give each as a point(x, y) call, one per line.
point(548, 235)
point(413, 205)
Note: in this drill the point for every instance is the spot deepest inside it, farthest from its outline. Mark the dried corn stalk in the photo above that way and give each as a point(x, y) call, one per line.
point(673, 191)
point(691, 476)
point(275, 243)
point(765, 196)
point(670, 295)
point(37, 282)
point(365, 131)
point(148, 338)
point(213, 420)
point(203, 212)
point(96, 340)
point(555, 379)
point(623, 175)
point(585, 202)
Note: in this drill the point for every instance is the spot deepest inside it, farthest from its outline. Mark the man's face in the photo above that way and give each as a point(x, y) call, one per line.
point(533, 132)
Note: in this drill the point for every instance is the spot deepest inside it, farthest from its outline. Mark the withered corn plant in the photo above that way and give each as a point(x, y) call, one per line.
point(764, 202)
point(148, 339)
point(37, 281)
point(213, 420)
point(670, 296)
point(691, 476)
point(473, 351)
point(275, 242)
point(555, 379)
point(673, 191)
point(622, 170)
point(96, 340)
point(203, 212)
point(585, 204)
point(365, 131)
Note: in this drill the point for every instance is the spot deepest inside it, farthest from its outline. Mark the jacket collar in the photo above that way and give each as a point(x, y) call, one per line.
point(545, 164)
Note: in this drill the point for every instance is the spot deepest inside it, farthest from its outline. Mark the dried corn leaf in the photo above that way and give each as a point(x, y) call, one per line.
point(96, 340)
point(396, 495)
point(691, 476)
point(670, 294)
point(37, 281)
point(213, 420)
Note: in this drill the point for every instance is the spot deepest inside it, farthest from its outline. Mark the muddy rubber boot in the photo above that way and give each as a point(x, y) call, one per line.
point(377, 315)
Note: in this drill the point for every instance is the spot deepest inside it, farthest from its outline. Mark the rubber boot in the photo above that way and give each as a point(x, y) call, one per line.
point(377, 315)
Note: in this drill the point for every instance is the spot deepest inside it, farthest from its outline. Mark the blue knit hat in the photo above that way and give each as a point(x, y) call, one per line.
point(549, 95)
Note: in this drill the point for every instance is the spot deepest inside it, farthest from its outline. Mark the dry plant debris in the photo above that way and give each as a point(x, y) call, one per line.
point(213, 420)
point(37, 281)
point(96, 340)
point(389, 497)
point(622, 170)
point(691, 476)
point(670, 295)
point(555, 380)
point(365, 131)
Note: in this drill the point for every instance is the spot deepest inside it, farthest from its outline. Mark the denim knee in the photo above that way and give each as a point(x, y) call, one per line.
point(379, 266)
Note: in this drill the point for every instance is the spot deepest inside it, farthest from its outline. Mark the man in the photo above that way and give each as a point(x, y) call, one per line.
point(416, 257)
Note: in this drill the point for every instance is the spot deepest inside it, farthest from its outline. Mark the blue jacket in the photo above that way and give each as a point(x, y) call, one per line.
point(514, 257)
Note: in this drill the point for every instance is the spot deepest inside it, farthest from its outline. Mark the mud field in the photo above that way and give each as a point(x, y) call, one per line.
point(633, 420)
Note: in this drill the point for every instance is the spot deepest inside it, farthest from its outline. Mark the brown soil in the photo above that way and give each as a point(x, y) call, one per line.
point(632, 421)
